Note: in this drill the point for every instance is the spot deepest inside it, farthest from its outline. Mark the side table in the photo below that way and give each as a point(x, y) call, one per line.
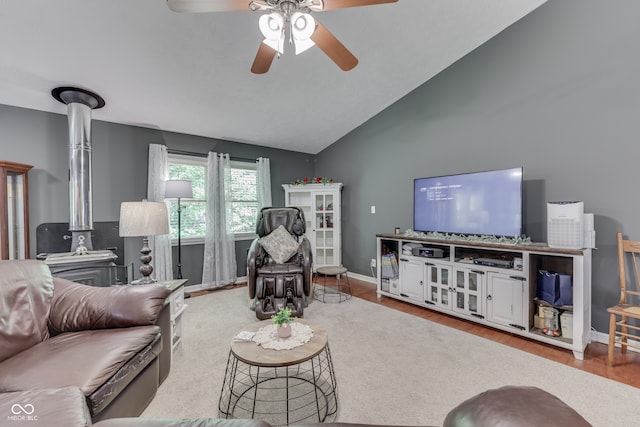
point(177, 308)
point(281, 387)
point(321, 293)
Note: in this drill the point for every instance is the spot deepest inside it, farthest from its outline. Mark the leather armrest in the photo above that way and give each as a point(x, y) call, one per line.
point(77, 307)
point(255, 258)
point(306, 257)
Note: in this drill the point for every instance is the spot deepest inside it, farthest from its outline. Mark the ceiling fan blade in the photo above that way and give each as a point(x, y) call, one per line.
point(335, 50)
point(263, 60)
point(209, 5)
point(341, 4)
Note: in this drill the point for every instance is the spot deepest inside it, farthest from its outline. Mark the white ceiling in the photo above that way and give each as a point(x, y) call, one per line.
point(190, 73)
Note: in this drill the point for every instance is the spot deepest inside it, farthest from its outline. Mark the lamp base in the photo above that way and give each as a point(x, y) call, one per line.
point(146, 268)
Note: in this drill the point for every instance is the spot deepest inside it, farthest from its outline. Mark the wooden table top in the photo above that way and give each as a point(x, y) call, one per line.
point(256, 355)
point(331, 270)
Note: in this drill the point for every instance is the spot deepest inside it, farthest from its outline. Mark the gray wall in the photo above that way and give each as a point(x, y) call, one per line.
point(556, 93)
point(119, 161)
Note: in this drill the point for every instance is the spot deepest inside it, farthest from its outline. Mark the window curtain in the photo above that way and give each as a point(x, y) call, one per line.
point(263, 178)
point(219, 267)
point(160, 245)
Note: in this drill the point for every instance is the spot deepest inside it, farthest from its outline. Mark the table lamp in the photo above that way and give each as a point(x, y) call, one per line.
point(178, 189)
point(144, 219)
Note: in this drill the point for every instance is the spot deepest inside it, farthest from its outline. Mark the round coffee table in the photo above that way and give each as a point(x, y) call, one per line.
point(280, 387)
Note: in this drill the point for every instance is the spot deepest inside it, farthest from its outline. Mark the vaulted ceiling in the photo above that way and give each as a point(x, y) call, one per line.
point(190, 73)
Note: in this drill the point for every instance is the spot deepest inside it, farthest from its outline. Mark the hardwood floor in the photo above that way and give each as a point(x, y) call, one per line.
point(626, 369)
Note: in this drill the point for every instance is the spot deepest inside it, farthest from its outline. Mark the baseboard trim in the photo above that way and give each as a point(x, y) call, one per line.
point(198, 286)
point(602, 338)
point(364, 278)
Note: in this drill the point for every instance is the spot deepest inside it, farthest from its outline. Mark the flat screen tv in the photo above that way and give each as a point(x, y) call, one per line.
point(479, 203)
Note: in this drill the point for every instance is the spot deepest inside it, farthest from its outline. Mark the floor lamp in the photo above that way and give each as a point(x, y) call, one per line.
point(178, 189)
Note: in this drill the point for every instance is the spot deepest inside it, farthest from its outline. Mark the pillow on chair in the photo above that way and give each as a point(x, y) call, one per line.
point(279, 244)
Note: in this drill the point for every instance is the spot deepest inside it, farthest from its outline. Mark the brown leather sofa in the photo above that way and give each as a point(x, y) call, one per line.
point(56, 334)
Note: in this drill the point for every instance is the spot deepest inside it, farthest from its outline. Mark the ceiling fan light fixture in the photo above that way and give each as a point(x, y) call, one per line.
point(272, 28)
point(316, 5)
point(302, 27)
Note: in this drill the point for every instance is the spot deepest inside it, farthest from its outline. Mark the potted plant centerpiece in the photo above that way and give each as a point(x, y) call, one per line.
point(283, 321)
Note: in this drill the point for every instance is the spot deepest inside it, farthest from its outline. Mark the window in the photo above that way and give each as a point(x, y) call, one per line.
point(244, 198)
point(244, 203)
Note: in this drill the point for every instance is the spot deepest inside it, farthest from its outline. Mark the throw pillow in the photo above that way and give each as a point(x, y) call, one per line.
point(279, 244)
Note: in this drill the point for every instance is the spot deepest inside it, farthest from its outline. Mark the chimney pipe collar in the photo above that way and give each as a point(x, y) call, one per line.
point(68, 94)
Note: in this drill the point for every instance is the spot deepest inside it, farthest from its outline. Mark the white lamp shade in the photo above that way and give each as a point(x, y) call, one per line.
point(178, 189)
point(141, 219)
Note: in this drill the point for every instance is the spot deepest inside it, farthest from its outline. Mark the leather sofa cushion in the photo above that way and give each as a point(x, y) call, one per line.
point(62, 407)
point(122, 379)
point(514, 406)
point(85, 359)
point(26, 289)
point(77, 307)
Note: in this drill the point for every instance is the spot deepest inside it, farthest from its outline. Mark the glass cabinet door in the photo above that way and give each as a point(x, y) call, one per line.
point(468, 288)
point(324, 229)
point(14, 212)
point(438, 287)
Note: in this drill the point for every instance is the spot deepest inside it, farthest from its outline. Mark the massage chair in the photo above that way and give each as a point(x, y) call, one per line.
point(286, 282)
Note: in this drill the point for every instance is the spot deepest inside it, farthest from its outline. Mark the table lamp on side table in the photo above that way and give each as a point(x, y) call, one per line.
point(178, 189)
point(144, 219)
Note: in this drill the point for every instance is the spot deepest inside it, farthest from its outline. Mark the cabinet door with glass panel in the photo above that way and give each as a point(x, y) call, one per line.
point(439, 290)
point(321, 206)
point(467, 287)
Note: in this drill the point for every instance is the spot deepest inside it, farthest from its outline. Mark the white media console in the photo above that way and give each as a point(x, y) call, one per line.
point(466, 283)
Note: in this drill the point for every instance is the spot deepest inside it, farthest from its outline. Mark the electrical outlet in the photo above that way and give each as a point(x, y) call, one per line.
point(373, 263)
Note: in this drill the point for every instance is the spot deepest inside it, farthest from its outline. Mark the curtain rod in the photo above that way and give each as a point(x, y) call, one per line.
point(194, 154)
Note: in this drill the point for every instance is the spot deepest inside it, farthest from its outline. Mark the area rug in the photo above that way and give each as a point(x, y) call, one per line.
point(391, 367)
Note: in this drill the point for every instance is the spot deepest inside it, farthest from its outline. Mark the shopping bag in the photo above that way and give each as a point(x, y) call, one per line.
point(555, 288)
point(388, 266)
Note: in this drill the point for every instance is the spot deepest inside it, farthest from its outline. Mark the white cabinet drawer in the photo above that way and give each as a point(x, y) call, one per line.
point(177, 301)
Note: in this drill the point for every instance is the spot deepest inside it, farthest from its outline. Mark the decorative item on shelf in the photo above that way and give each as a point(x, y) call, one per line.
point(283, 321)
point(500, 240)
point(144, 219)
point(316, 180)
point(328, 221)
point(178, 189)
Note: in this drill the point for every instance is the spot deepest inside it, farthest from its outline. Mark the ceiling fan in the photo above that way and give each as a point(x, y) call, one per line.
point(284, 18)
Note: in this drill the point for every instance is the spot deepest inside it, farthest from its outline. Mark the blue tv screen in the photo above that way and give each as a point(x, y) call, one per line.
point(481, 203)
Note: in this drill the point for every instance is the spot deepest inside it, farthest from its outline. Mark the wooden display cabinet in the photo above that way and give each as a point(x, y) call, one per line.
point(14, 210)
